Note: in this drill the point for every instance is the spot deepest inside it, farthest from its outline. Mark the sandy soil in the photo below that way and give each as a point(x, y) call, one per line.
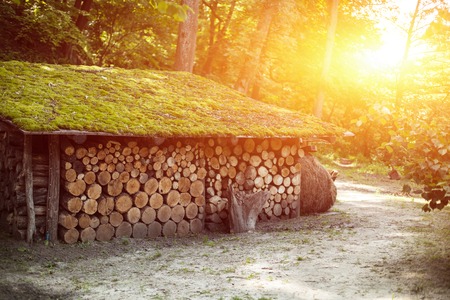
point(371, 245)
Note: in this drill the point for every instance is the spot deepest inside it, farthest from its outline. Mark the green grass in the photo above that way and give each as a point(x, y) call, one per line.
point(46, 98)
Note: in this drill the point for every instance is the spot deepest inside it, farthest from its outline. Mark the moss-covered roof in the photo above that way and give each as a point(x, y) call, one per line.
point(56, 98)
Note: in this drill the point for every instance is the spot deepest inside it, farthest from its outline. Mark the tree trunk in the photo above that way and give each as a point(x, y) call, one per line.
point(250, 68)
point(187, 35)
point(81, 21)
point(401, 74)
point(82, 18)
point(244, 209)
point(215, 46)
point(318, 104)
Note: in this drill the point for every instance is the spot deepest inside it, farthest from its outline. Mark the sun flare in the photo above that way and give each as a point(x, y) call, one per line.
point(389, 54)
point(393, 40)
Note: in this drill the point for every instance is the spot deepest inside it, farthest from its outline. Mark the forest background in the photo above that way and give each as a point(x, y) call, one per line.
point(380, 69)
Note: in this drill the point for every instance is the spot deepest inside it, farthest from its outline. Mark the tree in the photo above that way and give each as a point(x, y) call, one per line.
point(187, 35)
point(81, 20)
point(218, 27)
point(252, 60)
point(145, 40)
point(318, 104)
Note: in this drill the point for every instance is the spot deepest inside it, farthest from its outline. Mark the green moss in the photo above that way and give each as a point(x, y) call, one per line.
point(39, 97)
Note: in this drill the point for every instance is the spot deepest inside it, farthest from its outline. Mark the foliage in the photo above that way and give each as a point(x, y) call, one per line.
point(420, 144)
point(41, 97)
point(176, 11)
point(143, 41)
point(36, 30)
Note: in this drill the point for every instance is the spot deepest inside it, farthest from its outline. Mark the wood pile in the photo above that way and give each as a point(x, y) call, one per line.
point(11, 155)
point(12, 185)
point(152, 187)
point(253, 165)
point(124, 189)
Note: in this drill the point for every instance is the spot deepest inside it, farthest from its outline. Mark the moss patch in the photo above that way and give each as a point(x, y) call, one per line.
point(45, 98)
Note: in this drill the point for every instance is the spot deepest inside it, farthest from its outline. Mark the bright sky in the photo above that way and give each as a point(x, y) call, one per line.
point(394, 38)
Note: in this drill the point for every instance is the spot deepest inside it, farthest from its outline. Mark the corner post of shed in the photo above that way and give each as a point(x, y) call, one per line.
point(28, 176)
point(53, 188)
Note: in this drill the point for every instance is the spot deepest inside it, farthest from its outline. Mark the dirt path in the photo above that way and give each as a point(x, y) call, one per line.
point(369, 246)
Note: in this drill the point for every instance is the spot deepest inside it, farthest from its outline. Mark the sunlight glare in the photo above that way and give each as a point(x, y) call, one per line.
point(393, 39)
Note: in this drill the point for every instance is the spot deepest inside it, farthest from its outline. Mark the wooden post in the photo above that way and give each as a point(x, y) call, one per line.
point(53, 188)
point(28, 172)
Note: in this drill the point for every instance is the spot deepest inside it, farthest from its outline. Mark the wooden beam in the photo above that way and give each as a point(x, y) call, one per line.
point(53, 188)
point(28, 175)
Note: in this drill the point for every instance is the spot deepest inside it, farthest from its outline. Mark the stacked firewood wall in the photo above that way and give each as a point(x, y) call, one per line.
point(12, 185)
point(126, 189)
point(253, 165)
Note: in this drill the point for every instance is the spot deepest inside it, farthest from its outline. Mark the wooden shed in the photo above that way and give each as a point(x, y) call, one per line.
point(95, 153)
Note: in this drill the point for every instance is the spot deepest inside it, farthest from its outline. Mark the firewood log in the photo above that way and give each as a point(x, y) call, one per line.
point(154, 230)
point(197, 188)
point(69, 175)
point(182, 228)
point(148, 215)
point(164, 213)
point(84, 220)
point(124, 230)
point(249, 145)
point(67, 220)
point(140, 199)
point(95, 221)
point(114, 187)
point(39, 210)
point(71, 204)
point(277, 179)
point(196, 225)
point(124, 177)
point(105, 205)
point(177, 213)
point(67, 147)
point(276, 144)
point(133, 215)
point(169, 228)
point(104, 178)
point(80, 153)
point(90, 206)
point(140, 230)
point(75, 188)
point(173, 198)
point(191, 211)
point(115, 218)
point(132, 186)
point(104, 232)
point(89, 177)
point(277, 210)
point(165, 185)
point(94, 191)
point(123, 203)
point(201, 173)
point(185, 199)
point(143, 178)
point(184, 184)
point(87, 234)
point(69, 236)
point(21, 222)
point(151, 186)
point(156, 201)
